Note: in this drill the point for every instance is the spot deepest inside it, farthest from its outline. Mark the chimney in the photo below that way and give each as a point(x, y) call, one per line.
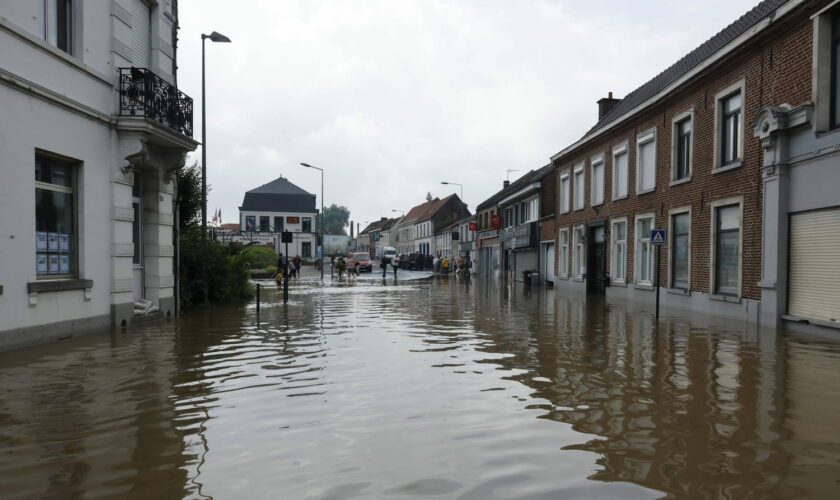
point(351, 229)
point(606, 104)
point(505, 184)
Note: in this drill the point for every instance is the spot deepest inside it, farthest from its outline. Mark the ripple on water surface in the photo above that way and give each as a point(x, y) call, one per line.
point(426, 389)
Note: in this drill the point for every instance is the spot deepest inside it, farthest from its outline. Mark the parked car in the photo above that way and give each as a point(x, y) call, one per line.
point(389, 253)
point(365, 264)
point(411, 261)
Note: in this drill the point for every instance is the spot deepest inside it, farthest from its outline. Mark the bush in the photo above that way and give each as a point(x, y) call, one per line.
point(260, 256)
point(221, 269)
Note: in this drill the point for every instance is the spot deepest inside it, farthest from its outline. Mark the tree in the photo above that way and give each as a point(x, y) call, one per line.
point(189, 196)
point(336, 217)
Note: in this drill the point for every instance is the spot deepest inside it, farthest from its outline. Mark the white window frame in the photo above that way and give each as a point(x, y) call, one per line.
point(675, 149)
point(613, 253)
point(75, 168)
point(579, 172)
point(671, 213)
point(565, 197)
point(563, 268)
point(643, 138)
point(719, 98)
point(637, 254)
point(594, 162)
point(621, 149)
point(578, 249)
point(713, 206)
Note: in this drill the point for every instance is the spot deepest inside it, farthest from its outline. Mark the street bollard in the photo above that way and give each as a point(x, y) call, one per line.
point(258, 298)
point(286, 289)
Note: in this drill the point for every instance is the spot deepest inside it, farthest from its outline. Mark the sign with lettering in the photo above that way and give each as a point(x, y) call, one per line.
point(488, 233)
point(473, 226)
point(524, 235)
point(497, 222)
point(293, 220)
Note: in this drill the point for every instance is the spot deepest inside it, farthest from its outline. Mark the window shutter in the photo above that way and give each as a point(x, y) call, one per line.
point(813, 290)
point(141, 40)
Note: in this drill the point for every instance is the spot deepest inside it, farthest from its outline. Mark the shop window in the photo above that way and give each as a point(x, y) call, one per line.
point(56, 241)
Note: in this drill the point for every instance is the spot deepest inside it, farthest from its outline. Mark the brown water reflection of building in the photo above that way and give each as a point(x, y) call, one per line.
point(694, 411)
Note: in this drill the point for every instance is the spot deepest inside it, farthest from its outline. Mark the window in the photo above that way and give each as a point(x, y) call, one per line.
point(620, 172)
point(727, 224)
point(306, 249)
point(578, 260)
point(250, 223)
point(644, 252)
point(265, 223)
point(729, 127)
point(680, 243)
point(564, 253)
point(619, 251)
point(307, 225)
point(509, 217)
point(580, 202)
point(597, 177)
point(58, 28)
point(681, 163)
point(646, 162)
point(564, 193)
point(730, 130)
point(278, 223)
point(56, 244)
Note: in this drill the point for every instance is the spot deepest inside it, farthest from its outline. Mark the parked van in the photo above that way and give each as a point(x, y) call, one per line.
point(389, 253)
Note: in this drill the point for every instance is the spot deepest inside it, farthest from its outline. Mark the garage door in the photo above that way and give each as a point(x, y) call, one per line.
point(814, 274)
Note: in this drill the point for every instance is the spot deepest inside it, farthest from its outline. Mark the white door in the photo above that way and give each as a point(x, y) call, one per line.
point(815, 265)
point(549, 263)
point(137, 233)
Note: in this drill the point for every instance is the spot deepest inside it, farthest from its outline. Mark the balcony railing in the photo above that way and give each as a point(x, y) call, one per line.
point(143, 93)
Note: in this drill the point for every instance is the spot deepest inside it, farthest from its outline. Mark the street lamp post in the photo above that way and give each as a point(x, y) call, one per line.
point(321, 225)
point(214, 37)
point(456, 184)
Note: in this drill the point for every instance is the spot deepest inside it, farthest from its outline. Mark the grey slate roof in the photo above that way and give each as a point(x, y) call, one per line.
point(279, 195)
point(531, 176)
point(661, 81)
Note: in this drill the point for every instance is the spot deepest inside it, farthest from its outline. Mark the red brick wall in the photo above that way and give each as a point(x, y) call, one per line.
point(775, 70)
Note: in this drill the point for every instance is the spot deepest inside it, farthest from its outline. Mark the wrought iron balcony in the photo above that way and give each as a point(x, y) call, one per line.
point(143, 93)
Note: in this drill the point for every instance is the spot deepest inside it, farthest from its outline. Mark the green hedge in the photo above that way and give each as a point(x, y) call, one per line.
point(221, 269)
point(260, 256)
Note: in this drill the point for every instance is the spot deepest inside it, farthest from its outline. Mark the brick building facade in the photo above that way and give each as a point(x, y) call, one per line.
point(680, 153)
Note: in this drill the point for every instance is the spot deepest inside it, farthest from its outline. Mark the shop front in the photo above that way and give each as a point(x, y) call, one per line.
point(521, 250)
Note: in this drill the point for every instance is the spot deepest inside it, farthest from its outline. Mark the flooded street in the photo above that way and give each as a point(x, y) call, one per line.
point(424, 389)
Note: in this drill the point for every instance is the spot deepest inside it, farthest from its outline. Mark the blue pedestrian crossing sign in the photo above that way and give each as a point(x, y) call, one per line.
point(657, 236)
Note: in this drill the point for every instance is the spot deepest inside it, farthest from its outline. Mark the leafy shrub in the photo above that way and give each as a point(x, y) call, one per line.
point(207, 264)
point(259, 256)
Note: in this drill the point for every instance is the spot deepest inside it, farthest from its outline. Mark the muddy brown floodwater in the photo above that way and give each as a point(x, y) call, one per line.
point(427, 389)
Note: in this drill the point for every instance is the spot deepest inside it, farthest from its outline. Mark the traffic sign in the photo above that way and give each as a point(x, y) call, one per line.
point(657, 236)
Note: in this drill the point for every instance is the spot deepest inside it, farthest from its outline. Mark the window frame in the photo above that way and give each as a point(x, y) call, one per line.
point(579, 171)
point(75, 168)
point(563, 268)
point(565, 197)
point(613, 253)
point(686, 210)
point(597, 161)
point(621, 149)
point(578, 240)
point(72, 25)
point(714, 206)
point(642, 139)
point(637, 254)
point(675, 147)
point(717, 165)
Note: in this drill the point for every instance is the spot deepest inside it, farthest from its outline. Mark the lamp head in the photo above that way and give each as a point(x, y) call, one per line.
point(217, 37)
point(306, 165)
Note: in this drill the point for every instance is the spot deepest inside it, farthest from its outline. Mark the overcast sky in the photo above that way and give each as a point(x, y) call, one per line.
point(392, 97)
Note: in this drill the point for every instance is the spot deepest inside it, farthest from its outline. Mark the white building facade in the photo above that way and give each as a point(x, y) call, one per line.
point(93, 130)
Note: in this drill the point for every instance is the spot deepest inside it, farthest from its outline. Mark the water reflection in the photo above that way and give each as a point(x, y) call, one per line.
point(377, 390)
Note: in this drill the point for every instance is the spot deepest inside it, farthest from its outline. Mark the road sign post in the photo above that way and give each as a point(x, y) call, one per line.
point(286, 238)
point(657, 238)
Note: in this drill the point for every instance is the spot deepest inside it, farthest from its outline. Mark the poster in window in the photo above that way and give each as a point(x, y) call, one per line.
point(41, 241)
point(52, 242)
point(42, 261)
point(64, 264)
point(53, 263)
point(64, 242)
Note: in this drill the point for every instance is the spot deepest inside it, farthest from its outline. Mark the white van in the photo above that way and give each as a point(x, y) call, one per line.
point(389, 253)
